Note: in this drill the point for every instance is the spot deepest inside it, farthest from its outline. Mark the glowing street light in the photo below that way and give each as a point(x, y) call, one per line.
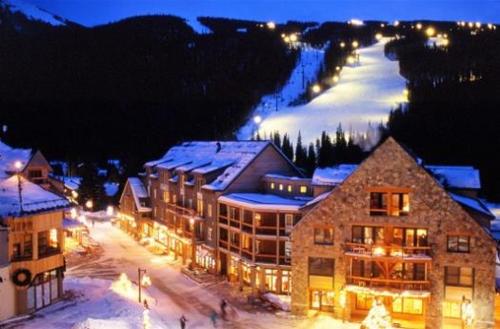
point(470, 25)
point(287, 39)
point(293, 37)
point(271, 25)
point(18, 165)
point(478, 24)
point(355, 44)
point(257, 119)
point(342, 44)
point(89, 204)
point(316, 88)
point(382, 25)
point(419, 26)
point(351, 60)
point(110, 211)
point(378, 36)
point(396, 23)
point(335, 79)
point(430, 31)
point(73, 213)
point(445, 42)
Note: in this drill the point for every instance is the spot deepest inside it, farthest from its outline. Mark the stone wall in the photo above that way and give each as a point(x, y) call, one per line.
point(430, 207)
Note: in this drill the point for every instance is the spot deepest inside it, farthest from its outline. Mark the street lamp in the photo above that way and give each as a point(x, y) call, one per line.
point(335, 79)
point(342, 44)
point(430, 31)
point(316, 88)
point(271, 25)
point(355, 44)
point(19, 165)
point(257, 119)
point(89, 204)
point(419, 26)
point(378, 36)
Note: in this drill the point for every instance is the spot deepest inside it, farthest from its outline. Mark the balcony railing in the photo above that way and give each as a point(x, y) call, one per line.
point(369, 250)
point(389, 283)
point(180, 211)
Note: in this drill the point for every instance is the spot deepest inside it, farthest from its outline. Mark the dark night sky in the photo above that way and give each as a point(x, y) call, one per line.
point(93, 12)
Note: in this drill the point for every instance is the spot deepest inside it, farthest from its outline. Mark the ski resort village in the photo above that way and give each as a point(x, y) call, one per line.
point(159, 172)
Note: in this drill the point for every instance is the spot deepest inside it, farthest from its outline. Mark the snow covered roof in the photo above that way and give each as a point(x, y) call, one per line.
point(34, 198)
point(69, 223)
point(472, 203)
point(264, 201)
point(9, 156)
point(459, 177)
point(139, 192)
point(332, 176)
point(205, 157)
point(290, 178)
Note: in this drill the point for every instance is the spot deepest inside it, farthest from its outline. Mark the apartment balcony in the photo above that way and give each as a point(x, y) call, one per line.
point(44, 263)
point(387, 252)
point(398, 284)
point(178, 210)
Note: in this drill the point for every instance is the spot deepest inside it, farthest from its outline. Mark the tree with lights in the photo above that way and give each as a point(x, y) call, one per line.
point(378, 317)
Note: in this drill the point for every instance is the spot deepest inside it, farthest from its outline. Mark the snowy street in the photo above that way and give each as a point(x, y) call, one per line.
point(171, 294)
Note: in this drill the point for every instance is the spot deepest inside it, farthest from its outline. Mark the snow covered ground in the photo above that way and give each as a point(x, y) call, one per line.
point(364, 94)
point(32, 11)
point(305, 71)
point(171, 294)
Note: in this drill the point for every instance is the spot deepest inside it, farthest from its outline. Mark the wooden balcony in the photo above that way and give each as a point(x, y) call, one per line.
point(43, 264)
point(180, 211)
point(387, 252)
point(400, 284)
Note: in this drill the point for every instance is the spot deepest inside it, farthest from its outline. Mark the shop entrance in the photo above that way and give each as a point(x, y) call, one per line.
point(322, 300)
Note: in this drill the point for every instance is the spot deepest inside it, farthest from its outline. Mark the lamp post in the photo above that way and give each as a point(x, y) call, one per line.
point(140, 271)
point(18, 165)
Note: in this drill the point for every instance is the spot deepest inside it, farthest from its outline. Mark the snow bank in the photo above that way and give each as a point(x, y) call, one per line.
point(364, 94)
point(279, 301)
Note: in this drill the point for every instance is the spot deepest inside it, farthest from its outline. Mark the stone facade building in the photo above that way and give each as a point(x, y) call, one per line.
point(399, 237)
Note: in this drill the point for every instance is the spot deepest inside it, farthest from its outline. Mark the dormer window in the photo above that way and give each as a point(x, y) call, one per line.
point(280, 186)
point(272, 186)
point(389, 203)
point(303, 189)
point(289, 188)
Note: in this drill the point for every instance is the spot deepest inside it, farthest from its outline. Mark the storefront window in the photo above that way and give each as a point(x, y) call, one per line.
point(271, 278)
point(408, 305)
point(286, 282)
point(364, 301)
point(246, 274)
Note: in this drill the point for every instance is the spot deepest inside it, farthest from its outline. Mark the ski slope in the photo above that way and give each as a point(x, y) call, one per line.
point(364, 94)
point(32, 12)
point(305, 72)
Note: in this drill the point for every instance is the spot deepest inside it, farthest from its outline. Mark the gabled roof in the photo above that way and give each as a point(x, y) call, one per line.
point(450, 177)
point(138, 192)
point(34, 198)
point(232, 157)
point(472, 203)
point(265, 201)
point(8, 157)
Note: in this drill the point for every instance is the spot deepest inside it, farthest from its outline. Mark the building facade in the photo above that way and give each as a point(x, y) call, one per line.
point(400, 238)
point(33, 253)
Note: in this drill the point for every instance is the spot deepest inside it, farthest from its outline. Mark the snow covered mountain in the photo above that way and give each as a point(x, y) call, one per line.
point(32, 12)
point(364, 95)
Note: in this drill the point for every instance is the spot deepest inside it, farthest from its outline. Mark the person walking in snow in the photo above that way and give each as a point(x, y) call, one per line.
point(223, 305)
point(213, 318)
point(183, 321)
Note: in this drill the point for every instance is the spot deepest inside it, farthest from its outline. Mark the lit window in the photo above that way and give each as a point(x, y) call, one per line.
point(289, 188)
point(209, 210)
point(407, 305)
point(303, 189)
point(459, 244)
point(258, 219)
point(272, 186)
point(459, 276)
point(323, 236)
point(392, 204)
point(280, 186)
point(288, 223)
point(166, 196)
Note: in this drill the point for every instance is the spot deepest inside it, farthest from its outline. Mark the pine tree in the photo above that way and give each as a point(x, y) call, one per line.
point(340, 148)
point(91, 187)
point(287, 147)
point(325, 153)
point(277, 139)
point(310, 160)
point(300, 153)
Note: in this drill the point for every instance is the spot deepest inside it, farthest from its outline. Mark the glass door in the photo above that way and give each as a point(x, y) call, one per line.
point(322, 300)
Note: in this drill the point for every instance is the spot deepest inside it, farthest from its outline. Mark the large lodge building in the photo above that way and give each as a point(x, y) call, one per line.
point(31, 233)
point(392, 228)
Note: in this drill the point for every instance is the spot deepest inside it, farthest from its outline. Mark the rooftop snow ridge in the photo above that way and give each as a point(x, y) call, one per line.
point(454, 177)
point(34, 198)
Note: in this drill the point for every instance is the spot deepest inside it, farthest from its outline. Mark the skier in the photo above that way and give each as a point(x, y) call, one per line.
point(213, 318)
point(183, 321)
point(146, 305)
